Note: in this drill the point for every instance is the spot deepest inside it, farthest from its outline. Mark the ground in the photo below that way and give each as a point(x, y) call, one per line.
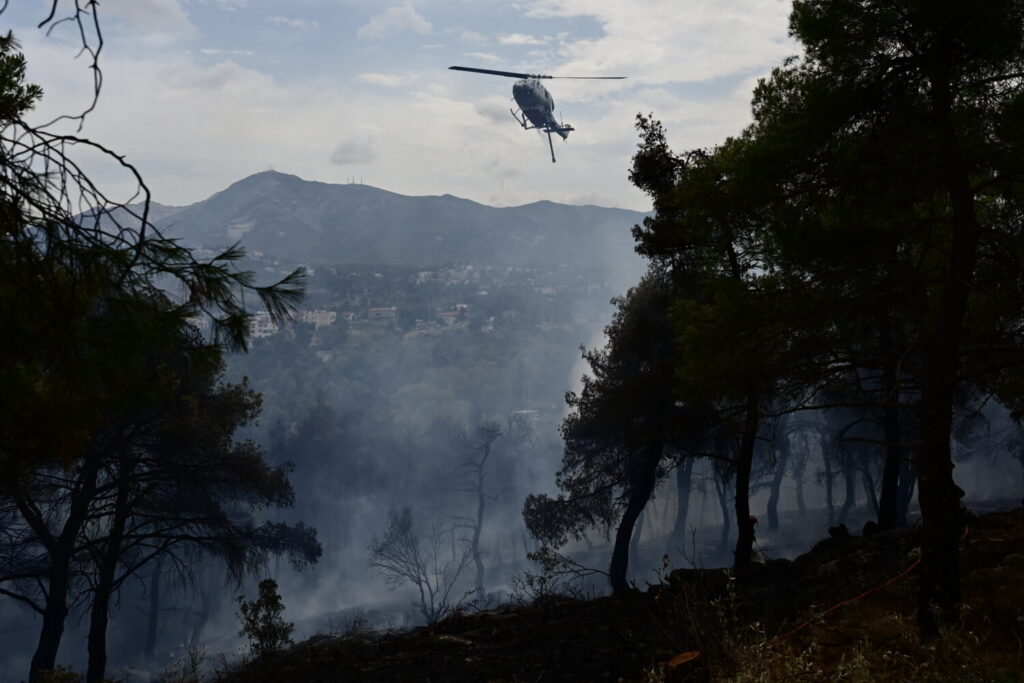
point(766, 624)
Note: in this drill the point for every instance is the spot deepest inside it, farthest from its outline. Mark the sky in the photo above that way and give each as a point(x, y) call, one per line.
point(201, 93)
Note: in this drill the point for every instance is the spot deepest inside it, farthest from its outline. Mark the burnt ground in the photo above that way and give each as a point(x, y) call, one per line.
point(740, 625)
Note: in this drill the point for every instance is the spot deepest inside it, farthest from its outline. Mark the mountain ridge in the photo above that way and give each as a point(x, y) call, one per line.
point(291, 218)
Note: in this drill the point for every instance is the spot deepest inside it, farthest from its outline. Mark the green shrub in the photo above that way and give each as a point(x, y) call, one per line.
point(261, 621)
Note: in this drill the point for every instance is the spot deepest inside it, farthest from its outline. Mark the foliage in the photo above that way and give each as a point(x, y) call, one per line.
point(262, 624)
point(864, 230)
point(558, 576)
point(953, 657)
point(186, 668)
point(620, 431)
point(70, 256)
point(102, 364)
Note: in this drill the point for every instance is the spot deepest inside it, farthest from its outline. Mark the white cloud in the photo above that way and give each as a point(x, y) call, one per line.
point(520, 39)
point(474, 38)
point(357, 149)
point(494, 109)
point(194, 127)
point(219, 51)
point(159, 22)
point(228, 4)
point(290, 22)
point(384, 80)
point(664, 41)
point(396, 19)
point(484, 56)
point(227, 77)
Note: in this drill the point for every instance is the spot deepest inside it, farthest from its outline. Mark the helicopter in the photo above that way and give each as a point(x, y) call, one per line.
point(536, 106)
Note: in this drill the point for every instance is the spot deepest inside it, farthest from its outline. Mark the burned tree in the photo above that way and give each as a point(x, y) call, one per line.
point(476, 451)
point(400, 555)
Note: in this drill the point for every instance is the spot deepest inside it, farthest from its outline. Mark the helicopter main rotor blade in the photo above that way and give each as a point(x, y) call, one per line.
point(492, 72)
point(513, 74)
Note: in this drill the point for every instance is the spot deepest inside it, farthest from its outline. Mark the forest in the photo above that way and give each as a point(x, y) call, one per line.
point(820, 335)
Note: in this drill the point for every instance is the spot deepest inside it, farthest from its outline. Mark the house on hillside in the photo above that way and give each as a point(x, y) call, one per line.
point(318, 318)
point(261, 325)
point(385, 313)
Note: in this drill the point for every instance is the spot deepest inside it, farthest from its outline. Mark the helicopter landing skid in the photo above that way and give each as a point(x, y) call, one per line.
point(521, 120)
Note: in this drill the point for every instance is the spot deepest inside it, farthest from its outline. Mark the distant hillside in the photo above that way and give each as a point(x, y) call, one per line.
point(291, 218)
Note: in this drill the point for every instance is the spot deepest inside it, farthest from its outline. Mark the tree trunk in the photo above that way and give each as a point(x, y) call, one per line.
point(850, 480)
point(634, 541)
point(684, 478)
point(826, 457)
point(908, 481)
point(479, 468)
point(54, 615)
point(206, 598)
point(801, 505)
point(100, 610)
point(938, 495)
point(722, 488)
point(481, 501)
point(744, 464)
point(869, 488)
point(152, 621)
point(61, 550)
point(888, 504)
point(640, 492)
point(781, 443)
point(939, 498)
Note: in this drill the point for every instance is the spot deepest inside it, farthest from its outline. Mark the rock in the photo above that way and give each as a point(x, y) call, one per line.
point(454, 640)
point(688, 667)
point(829, 569)
point(1014, 561)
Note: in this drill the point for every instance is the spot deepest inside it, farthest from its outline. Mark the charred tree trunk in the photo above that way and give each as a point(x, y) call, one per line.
point(908, 482)
point(850, 481)
point(826, 457)
point(889, 499)
point(100, 610)
point(206, 598)
point(641, 487)
point(477, 466)
point(744, 464)
point(54, 615)
point(153, 618)
point(869, 488)
point(938, 495)
point(61, 550)
point(722, 489)
point(801, 504)
point(634, 541)
point(888, 504)
point(481, 502)
point(684, 479)
point(781, 444)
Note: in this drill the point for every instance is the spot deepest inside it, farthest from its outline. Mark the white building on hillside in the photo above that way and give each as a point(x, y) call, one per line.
point(261, 325)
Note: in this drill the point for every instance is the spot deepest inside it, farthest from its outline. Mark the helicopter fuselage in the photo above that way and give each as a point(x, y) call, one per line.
point(538, 106)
